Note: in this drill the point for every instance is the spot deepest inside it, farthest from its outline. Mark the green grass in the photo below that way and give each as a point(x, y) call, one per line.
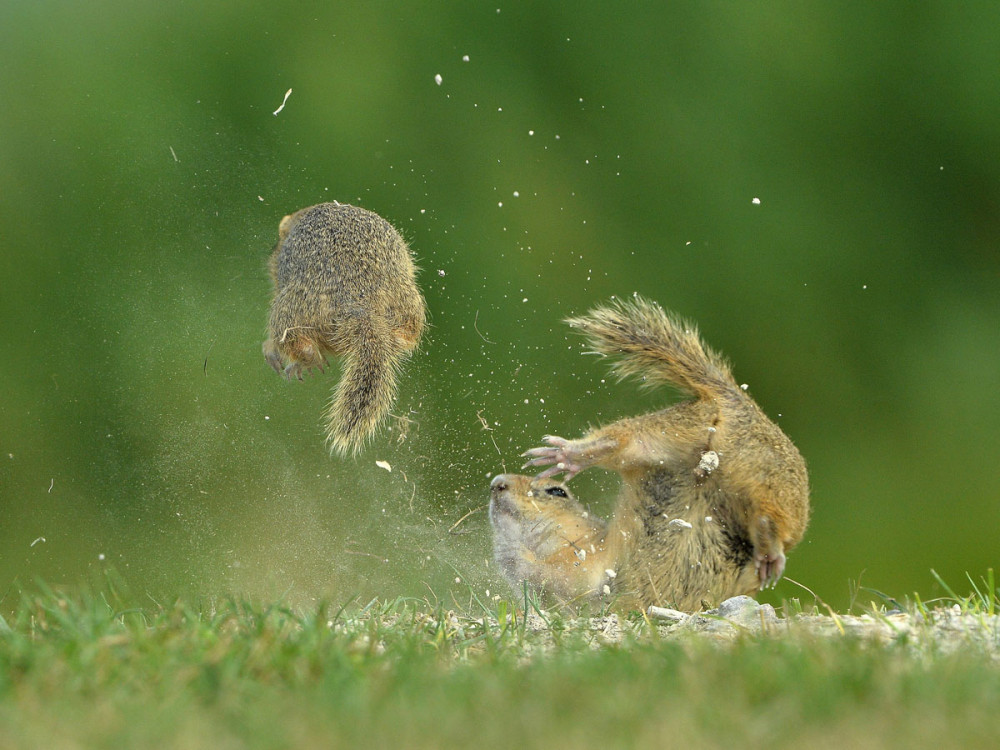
point(79, 671)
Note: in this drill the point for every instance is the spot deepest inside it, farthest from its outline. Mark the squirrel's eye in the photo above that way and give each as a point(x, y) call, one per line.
point(557, 491)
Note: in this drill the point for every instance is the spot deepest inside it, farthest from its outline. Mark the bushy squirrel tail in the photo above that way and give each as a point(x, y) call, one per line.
point(655, 346)
point(367, 387)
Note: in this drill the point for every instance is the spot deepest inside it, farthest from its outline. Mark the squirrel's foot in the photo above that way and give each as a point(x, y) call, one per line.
point(768, 551)
point(272, 356)
point(275, 361)
point(298, 370)
point(301, 357)
point(561, 453)
point(770, 566)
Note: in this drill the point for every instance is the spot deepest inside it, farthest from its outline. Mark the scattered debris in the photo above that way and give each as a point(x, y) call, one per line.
point(709, 462)
point(287, 94)
point(455, 525)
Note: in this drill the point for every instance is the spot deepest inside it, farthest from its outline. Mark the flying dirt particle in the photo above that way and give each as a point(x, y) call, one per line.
point(287, 94)
point(709, 462)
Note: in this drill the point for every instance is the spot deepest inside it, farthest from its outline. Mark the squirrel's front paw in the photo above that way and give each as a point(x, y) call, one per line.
point(560, 453)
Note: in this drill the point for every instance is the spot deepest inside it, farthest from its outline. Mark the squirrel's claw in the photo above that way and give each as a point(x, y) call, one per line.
point(558, 453)
point(769, 568)
point(272, 357)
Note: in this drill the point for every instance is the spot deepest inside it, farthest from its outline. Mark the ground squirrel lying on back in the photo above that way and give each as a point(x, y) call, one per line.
point(344, 284)
point(714, 493)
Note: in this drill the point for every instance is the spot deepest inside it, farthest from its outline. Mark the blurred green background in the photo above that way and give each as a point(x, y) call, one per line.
point(570, 152)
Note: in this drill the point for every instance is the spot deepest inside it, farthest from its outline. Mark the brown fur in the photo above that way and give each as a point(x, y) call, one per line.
point(344, 285)
point(714, 493)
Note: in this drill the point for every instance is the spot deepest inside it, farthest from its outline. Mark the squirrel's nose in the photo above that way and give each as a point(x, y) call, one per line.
point(500, 482)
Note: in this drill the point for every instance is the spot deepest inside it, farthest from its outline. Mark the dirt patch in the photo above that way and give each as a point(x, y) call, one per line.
point(940, 631)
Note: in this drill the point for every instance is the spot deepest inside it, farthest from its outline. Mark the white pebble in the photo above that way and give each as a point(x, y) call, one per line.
point(709, 462)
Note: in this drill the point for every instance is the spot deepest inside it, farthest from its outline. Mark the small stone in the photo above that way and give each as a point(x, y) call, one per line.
point(746, 612)
point(668, 615)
